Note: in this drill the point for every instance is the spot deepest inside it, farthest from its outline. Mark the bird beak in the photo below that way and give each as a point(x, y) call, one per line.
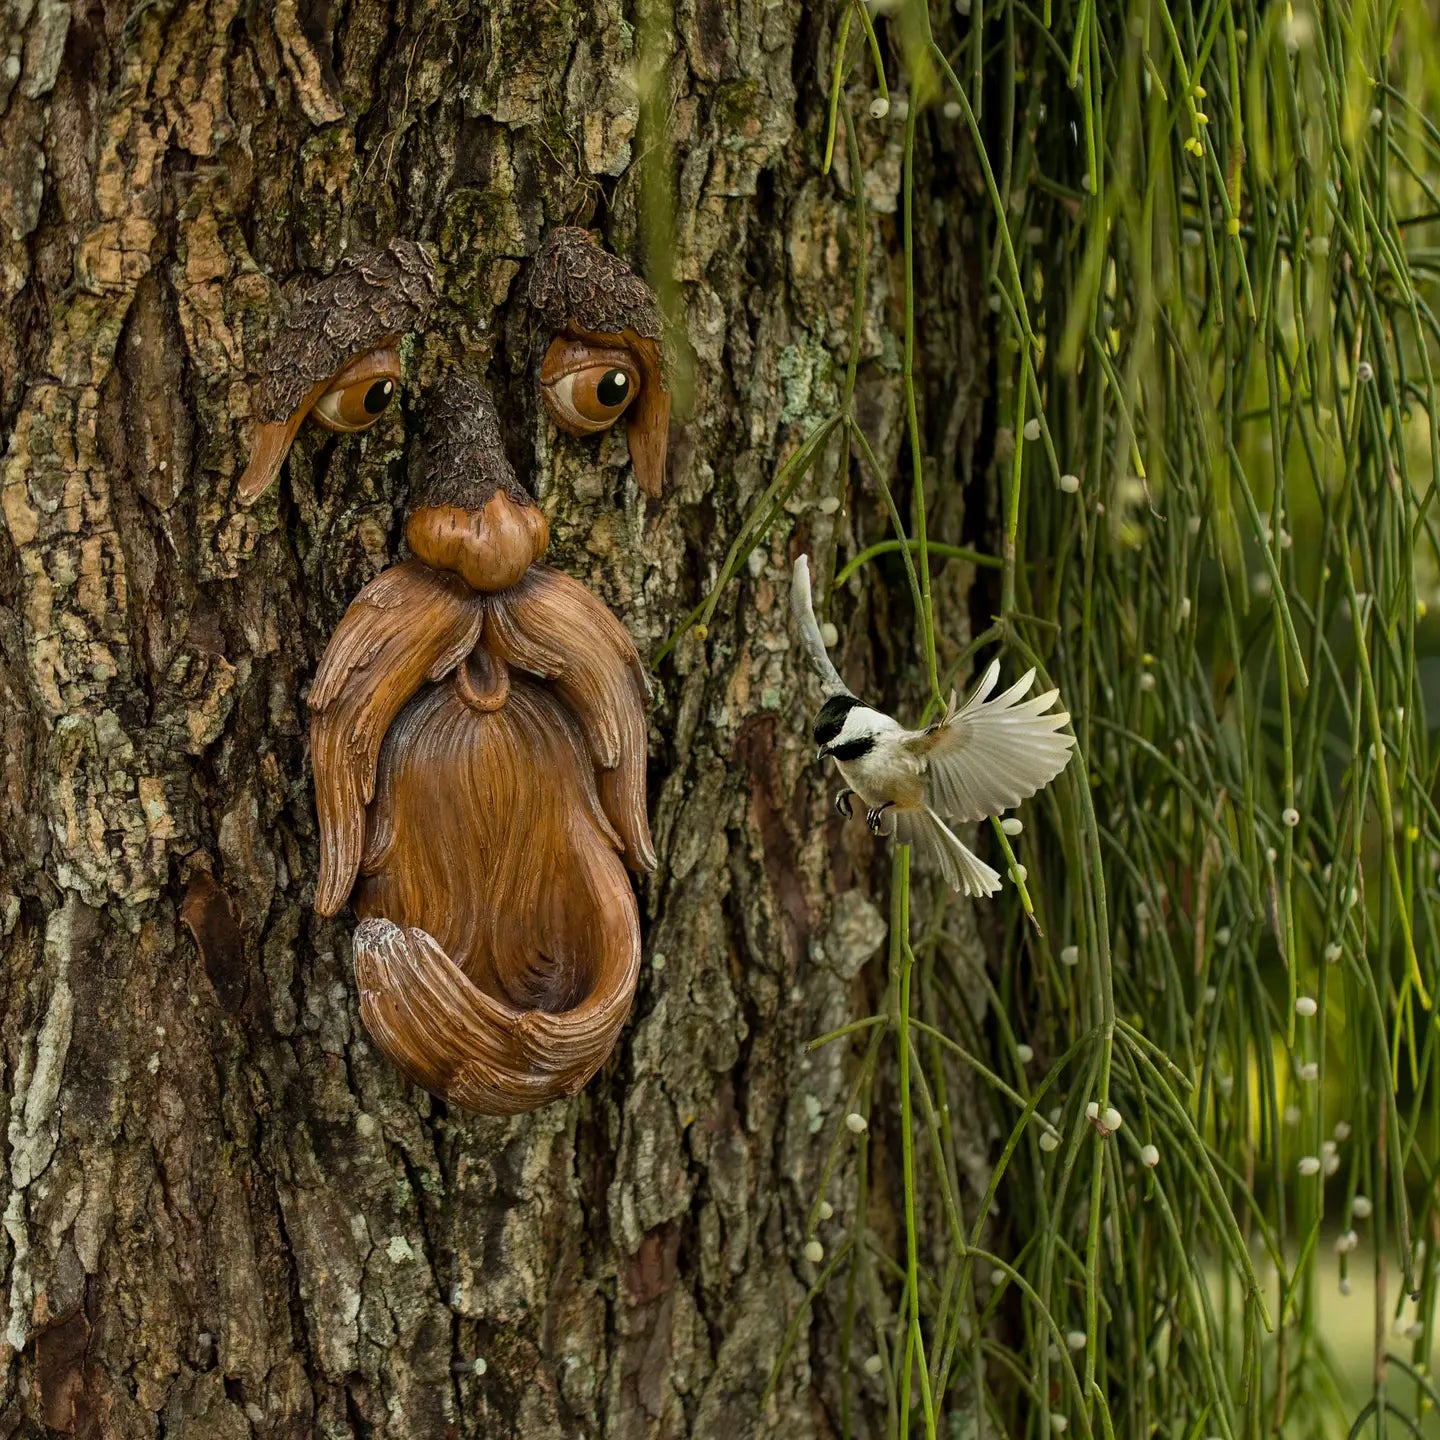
point(822, 752)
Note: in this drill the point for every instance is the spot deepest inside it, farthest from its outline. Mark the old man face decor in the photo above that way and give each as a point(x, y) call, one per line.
point(477, 721)
point(478, 737)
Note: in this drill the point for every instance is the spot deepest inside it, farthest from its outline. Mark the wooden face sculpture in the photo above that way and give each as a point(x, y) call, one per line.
point(478, 739)
point(335, 356)
point(604, 361)
point(477, 722)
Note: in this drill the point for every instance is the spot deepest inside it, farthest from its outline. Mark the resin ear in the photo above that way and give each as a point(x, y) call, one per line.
point(335, 356)
point(478, 736)
point(604, 361)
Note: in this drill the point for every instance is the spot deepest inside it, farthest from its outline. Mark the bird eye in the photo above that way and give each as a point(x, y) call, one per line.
point(359, 394)
point(587, 387)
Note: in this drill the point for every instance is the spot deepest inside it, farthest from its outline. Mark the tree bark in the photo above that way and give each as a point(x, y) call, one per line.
point(224, 1215)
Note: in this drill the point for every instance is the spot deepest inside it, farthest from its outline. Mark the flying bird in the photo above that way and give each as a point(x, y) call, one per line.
point(979, 759)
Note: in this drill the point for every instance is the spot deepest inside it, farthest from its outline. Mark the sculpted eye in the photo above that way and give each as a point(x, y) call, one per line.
point(334, 356)
point(604, 357)
point(588, 387)
point(359, 394)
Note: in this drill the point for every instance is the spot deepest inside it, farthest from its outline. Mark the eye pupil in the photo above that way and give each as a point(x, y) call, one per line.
point(613, 389)
point(377, 397)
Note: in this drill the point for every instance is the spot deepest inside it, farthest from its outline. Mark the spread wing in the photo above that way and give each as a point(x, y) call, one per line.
point(408, 625)
point(989, 755)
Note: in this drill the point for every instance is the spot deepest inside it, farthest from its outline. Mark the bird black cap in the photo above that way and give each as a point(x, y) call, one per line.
point(831, 719)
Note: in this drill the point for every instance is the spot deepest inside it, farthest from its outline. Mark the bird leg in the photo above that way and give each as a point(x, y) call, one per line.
point(875, 817)
point(842, 803)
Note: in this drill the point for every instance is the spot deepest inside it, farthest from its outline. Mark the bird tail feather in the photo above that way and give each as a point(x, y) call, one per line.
point(933, 839)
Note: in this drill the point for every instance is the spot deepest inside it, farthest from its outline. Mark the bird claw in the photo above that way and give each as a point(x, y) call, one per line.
point(842, 803)
point(875, 817)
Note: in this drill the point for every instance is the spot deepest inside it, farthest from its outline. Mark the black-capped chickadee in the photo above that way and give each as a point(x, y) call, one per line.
point(977, 760)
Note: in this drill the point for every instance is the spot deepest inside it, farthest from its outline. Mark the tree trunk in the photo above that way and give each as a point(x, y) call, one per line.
point(225, 1215)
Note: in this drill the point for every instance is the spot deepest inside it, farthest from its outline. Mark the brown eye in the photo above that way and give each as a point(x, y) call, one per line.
point(594, 398)
point(360, 392)
point(356, 406)
point(588, 387)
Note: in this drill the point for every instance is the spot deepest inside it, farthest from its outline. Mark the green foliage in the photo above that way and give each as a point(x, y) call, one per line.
point(1211, 233)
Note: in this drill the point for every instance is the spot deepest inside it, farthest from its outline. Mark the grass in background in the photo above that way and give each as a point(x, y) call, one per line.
point(1212, 247)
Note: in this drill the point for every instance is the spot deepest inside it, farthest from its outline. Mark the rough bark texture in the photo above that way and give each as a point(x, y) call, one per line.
point(224, 1215)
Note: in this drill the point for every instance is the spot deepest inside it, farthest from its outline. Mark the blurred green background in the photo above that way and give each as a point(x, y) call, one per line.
point(1206, 251)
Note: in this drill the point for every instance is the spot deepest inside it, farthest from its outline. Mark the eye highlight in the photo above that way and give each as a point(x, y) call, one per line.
point(588, 387)
point(360, 393)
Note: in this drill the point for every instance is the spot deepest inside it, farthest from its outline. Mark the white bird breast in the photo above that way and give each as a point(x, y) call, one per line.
point(887, 774)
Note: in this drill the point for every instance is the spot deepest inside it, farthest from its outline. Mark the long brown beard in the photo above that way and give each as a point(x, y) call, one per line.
point(480, 767)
